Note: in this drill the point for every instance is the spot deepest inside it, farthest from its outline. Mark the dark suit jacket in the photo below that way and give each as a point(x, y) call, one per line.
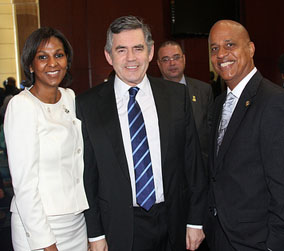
point(106, 175)
point(201, 97)
point(247, 176)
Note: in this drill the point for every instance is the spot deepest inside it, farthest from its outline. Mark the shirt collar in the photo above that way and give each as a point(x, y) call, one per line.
point(121, 88)
point(182, 81)
point(237, 91)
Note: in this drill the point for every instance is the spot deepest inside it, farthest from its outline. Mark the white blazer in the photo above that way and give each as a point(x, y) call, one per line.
point(45, 153)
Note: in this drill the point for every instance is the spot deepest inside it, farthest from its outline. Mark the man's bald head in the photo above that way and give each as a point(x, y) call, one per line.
point(233, 25)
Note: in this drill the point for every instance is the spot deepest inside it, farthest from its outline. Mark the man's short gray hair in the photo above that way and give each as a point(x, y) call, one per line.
point(128, 23)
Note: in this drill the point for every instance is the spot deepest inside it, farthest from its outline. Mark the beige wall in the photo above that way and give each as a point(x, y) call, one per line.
point(18, 18)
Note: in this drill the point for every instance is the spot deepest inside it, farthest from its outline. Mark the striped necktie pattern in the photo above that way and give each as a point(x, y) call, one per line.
point(145, 188)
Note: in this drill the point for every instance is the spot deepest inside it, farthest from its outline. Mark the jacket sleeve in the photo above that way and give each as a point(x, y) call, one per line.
point(272, 145)
point(92, 215)
point(195, 171)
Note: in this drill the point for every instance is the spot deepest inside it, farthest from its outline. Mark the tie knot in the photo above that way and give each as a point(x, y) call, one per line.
point(230, 102)
point(231, 96)
point(133, 91)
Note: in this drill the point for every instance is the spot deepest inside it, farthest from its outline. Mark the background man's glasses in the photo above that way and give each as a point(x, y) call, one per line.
point(173, 58)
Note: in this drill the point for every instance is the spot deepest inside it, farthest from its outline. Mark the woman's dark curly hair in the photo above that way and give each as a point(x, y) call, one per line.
point(30, 49)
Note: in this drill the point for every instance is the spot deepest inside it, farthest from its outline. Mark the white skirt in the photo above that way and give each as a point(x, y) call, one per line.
point(69, 230)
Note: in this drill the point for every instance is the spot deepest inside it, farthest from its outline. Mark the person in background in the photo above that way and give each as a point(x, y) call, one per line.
point(144, 176)
point(45, 150)
point(171, 62)
point(10, 86)
point(10, 91)
point(246, 202)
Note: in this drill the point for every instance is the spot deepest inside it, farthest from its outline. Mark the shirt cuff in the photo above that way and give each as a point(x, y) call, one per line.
point(194, 226)
point(97, 238)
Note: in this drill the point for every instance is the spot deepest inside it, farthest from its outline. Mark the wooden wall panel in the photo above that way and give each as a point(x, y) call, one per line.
point(69, 16)
point(197, 60)
point(26, 13)
point(7, 42)
point(6, 36)
point(100, 17)
point(264, 21)
point(85, 24)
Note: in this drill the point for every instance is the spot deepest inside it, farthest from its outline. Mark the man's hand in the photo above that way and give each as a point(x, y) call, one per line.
point(51, 248)
point(100, 245)
point(194, 237)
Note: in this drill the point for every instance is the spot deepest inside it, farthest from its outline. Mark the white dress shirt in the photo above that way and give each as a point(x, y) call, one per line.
point(237, 91)
point(183, 81)
point(146, 102)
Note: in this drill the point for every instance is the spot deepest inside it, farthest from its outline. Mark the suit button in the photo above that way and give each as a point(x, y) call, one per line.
point(213, 211)
point(27, 234)
point(213, 179)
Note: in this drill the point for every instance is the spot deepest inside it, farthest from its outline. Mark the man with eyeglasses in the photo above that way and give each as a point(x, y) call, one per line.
point(171, 61)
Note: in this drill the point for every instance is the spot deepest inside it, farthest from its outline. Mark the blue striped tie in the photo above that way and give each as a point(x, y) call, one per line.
point(145, 189)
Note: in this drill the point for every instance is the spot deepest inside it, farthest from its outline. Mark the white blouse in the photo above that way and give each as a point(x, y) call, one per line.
point(45, 154)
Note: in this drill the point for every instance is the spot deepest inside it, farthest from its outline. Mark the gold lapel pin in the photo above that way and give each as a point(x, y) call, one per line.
point(247, 103)
point(193, 98)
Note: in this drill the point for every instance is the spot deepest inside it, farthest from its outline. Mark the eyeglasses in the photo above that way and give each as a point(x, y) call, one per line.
point(173, 58)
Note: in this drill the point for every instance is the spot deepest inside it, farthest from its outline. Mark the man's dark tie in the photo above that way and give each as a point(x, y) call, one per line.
point(145, 189)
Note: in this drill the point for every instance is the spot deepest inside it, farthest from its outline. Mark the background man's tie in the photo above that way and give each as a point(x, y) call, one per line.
point(145, 189)
point(226, 116)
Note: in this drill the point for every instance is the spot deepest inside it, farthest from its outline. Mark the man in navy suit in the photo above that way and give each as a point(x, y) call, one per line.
point(246, 160)
point(116, 221)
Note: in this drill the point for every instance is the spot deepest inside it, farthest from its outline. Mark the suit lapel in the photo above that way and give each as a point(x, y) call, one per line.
point(244, 103)
point(162, 106)
point(108, 112)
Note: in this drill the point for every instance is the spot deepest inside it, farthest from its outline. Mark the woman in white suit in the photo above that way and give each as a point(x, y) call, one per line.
point(45, 151)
